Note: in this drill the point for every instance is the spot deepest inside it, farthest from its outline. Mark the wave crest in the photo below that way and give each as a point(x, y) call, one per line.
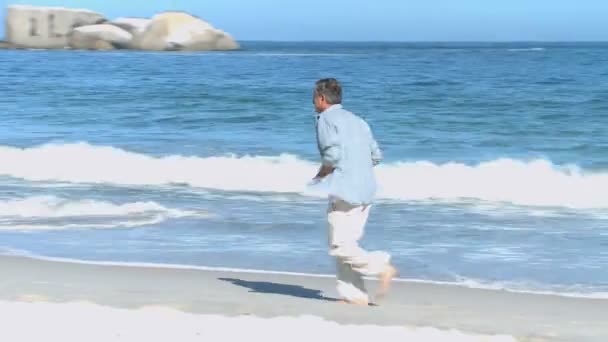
point(50, 212)
point(527, 183)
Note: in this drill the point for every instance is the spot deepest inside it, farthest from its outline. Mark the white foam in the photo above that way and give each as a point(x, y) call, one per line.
point(36, 212)
point(56, 322)
point(527, 183)
point(524, 288)
point(84, 163)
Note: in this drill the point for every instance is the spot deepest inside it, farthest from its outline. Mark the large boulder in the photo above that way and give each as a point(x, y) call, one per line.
point(182, 31)
point(45, 27)
point(100, 37)
point(132, 25)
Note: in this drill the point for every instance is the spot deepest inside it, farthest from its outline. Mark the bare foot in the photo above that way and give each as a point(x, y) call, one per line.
point(361, 302)
point(385, 281)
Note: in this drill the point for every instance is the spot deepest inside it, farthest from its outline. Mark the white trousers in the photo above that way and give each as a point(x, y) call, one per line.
point(346, 227)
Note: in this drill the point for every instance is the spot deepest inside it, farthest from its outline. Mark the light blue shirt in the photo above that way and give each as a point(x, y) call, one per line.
point(346, 142)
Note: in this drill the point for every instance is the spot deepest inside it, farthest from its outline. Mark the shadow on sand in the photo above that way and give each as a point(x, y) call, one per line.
point(280, 289)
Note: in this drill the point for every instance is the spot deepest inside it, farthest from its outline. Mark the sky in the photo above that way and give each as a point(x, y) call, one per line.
point(375, 20)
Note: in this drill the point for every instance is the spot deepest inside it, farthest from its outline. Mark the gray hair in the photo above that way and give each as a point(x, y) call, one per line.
point(330, 89)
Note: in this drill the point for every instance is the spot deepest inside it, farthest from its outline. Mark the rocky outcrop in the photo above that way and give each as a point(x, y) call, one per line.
point(45, 27)
point(182, 31)
point(57, 27)
point(132, 25)
point(100, 37)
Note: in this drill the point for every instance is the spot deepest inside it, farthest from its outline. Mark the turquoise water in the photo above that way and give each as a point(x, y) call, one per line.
point(496, 169)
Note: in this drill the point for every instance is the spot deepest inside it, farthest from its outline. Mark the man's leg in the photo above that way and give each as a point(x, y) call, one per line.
point(347, 225)
point(350, 284)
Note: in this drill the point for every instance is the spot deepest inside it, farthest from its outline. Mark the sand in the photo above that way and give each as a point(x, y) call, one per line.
point(232, 299)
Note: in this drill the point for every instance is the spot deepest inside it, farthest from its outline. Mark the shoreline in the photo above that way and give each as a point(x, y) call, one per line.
point(148, 265)
point(528, 317)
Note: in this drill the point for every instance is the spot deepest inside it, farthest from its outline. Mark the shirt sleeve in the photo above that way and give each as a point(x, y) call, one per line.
point(374, 147)
point(328, 142)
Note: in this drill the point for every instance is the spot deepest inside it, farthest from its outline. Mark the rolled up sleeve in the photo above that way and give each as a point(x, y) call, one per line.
point(328, 143)
point(375, 147)
point(376, 152)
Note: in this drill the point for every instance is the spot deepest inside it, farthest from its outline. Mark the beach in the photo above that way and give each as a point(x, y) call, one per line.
point(57, 299)
point(140, 191)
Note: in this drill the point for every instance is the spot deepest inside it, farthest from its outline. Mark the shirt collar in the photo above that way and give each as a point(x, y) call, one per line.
point(333, 107)
point(329, 109)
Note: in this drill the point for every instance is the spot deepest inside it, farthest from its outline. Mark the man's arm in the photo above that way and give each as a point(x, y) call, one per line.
point(375, 148)
point(329, 147)
point(324, 171)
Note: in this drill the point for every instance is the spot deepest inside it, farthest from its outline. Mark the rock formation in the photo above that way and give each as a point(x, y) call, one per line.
point(132, 25)
point(182, 31)
point(45, 27)
point(95, 36)
point(57, 27)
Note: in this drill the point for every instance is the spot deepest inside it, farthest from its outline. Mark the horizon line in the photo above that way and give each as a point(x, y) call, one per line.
point(390, 41)
point(3, 39)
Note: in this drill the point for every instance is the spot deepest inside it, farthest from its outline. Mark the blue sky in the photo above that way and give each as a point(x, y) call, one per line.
point(379, 20)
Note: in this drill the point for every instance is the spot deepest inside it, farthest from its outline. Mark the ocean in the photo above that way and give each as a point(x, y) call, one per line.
point(495, 172)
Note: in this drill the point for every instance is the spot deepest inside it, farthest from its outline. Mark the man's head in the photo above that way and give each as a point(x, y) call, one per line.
point(328, 92)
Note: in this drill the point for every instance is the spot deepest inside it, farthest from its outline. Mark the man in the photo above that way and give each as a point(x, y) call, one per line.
point(349, 153)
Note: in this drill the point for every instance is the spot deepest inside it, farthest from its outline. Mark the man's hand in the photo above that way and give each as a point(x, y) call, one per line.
point(324, 171)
